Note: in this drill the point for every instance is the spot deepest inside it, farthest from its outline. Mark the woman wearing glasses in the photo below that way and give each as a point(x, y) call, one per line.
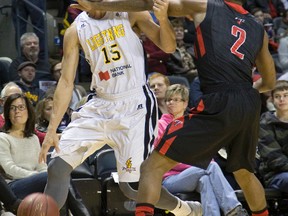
point(19, 148)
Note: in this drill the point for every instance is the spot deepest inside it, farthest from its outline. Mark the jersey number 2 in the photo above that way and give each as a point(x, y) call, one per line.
point(241, 38)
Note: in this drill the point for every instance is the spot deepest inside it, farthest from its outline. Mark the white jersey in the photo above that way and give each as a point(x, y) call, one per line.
point(123, 113)
point(114, 52)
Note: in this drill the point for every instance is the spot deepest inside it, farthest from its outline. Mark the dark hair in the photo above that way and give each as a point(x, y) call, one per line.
point(53, 64)
point(30, 124)
point(280, 85)
point(178, 22)
point(255, 10)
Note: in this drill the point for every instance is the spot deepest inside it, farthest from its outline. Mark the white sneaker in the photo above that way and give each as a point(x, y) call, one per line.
point(196, 208)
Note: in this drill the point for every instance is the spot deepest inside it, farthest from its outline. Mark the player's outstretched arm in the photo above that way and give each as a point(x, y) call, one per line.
point(64, 89)
point(114, 5)
point(176, 7)
point(265, 66)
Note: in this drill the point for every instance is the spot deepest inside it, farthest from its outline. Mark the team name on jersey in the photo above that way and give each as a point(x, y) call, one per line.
point(105, 36)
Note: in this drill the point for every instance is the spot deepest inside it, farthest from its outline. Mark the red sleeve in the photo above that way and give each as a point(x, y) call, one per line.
point(40, 136)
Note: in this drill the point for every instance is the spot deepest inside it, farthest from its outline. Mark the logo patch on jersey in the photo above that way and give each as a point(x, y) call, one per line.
point(119, 70)
point(239, 20)
point(104, 75)
point(177, 122)
point(118, 14)
point(82, 25)
point(129, 167)
point(176, 125)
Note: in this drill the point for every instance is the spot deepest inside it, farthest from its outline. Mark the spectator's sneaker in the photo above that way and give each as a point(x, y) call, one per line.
point(238, 211)
point(196, 208)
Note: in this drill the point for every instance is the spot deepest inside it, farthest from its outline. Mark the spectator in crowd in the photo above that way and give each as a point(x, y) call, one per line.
point(19, 148)
point(273, 140)
point(9, 89)
point(29, 43)
point(7, 196)
point(43, 113)
point(215, 191)
point(159, 84)
point(19, 151)
point(283, 26)
point(25, 11)
point(258, 14)
point(181, 62)
point(78, 91)
point(270, 8)
point(156, 58)
point(26, 72)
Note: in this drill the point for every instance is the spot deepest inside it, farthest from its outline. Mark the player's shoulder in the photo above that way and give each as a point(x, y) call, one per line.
point(71, 32)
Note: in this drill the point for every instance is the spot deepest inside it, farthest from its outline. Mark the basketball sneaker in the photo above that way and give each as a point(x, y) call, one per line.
point(196, 208)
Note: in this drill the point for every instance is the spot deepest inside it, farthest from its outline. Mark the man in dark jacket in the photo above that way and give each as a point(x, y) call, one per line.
point(29, 43)
point(26, 72)
point(273, 141)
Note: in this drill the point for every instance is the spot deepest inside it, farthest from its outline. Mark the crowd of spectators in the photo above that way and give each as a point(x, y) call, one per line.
point(36, 77)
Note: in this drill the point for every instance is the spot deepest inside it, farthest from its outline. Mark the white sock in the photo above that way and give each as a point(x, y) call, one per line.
point(181, 209)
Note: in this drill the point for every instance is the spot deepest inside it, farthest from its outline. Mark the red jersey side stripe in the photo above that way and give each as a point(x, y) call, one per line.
point(195, 51)
point(200, 106)
point(200, 41)
point(166, 145)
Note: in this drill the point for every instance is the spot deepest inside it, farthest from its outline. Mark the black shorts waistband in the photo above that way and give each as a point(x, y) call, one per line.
point(225, 86)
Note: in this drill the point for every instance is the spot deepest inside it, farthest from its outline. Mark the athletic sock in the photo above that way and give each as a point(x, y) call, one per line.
point(263, 212)
point(144, 209)
point(181, 209)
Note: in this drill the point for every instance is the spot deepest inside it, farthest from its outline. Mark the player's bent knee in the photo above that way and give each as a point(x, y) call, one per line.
point(58, 168)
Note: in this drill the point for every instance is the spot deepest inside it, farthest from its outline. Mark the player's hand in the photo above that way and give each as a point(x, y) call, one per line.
point(51, 139)
point(160, 9)
point(84, 5)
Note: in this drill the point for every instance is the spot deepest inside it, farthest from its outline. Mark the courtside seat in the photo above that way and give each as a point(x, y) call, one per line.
point(270, 193)
point(277, 201)
point(191, 196)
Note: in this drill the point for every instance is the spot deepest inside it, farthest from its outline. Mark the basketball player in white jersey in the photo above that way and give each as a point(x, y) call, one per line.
point(123, 113)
